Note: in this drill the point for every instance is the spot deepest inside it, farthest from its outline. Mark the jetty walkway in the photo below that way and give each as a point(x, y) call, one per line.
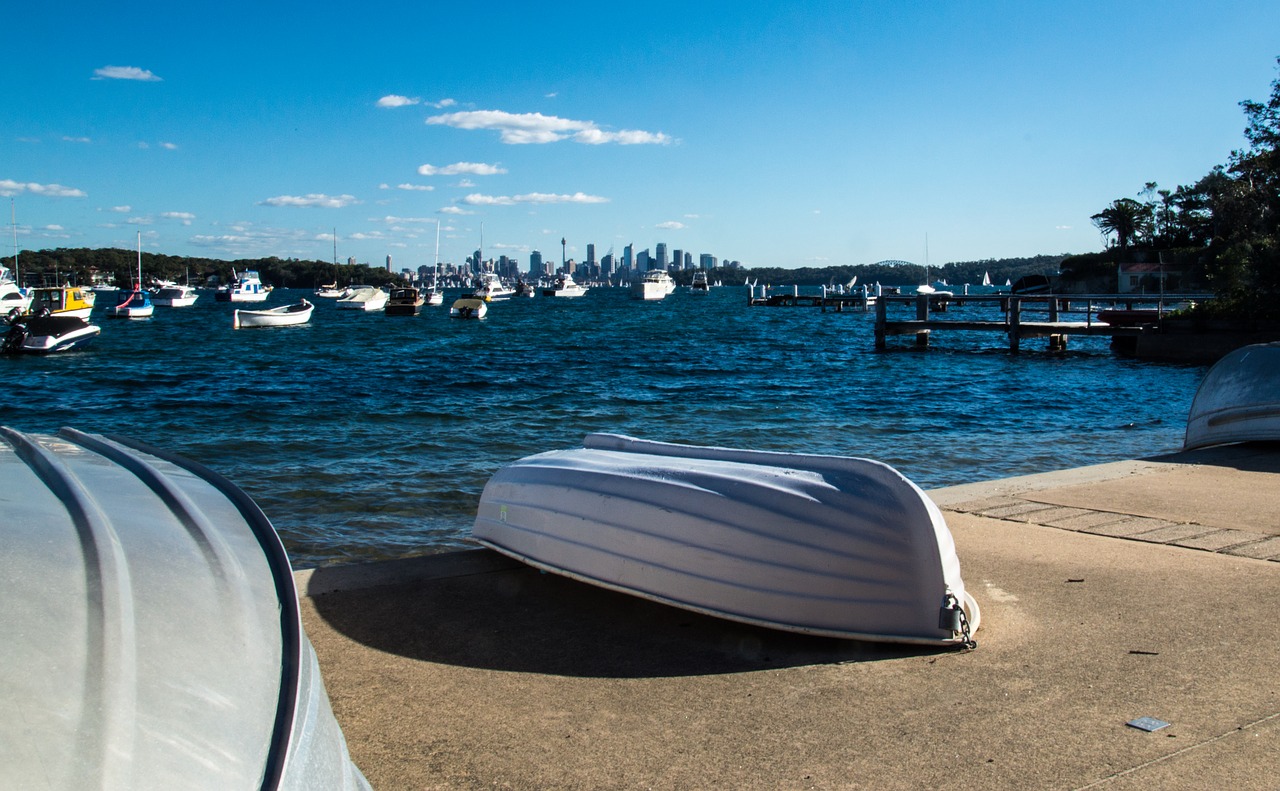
point(1109, 593)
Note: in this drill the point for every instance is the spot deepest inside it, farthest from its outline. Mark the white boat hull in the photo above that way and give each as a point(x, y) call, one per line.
point(284, 316)
point(152, 634)
point(1238, 400)
point(821, 545)
point(469, 308)
point(50, 334)
point(366, 299)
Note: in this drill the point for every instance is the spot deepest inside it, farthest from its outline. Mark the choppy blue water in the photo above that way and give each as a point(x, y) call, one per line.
point(371, 436)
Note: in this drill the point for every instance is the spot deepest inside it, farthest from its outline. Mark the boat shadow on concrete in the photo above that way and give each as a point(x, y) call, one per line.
point(478, 609)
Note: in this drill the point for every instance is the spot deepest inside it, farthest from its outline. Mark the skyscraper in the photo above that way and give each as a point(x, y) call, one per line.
point(591, 254)
point(535, 264)
point(661, 250)
point(628, 256)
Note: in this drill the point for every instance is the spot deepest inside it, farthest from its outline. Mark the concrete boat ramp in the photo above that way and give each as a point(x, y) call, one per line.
point(1141, 589)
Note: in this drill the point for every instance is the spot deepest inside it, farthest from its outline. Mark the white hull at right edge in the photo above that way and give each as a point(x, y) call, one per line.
point(1238, 400)
point(822, 545)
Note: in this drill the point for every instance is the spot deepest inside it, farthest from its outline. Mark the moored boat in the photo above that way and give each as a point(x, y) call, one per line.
point(404, 301)
point(153, 636)
point(491, 287)
point(468, 308)
point(700, 285)
point(44, 333)
point(283, 316)
point(175, 295)
point(135, 304)
point(656, 284)
point(823, 545)
point(564, 286)
point(366, 298)
point(1238, 400)
point(11, 294)
point(62, 301)
point(247, 288)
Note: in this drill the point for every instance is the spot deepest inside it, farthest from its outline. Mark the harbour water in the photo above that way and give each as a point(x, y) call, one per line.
point(370, 436)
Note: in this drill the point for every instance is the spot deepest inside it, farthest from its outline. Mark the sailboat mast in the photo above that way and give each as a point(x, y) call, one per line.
point(437, 261)
point(13, 220)
point(139, 284)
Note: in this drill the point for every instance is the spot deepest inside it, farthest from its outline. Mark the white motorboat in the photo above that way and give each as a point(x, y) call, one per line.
point(491, 288)
point(45, 333)
point(247, 288)
point(283, 316)
point(1238, 400)
point(523, 289)
point(175, 295)
point(152, 632)
point(655, 284)
point(366, 298)
point(468, 308)
point(331, 291)
point(700, 285)
point(823, 545)
point(12, 296)
point(564, 286)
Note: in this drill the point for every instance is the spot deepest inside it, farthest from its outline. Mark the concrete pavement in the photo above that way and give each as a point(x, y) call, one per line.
point(1143, 588)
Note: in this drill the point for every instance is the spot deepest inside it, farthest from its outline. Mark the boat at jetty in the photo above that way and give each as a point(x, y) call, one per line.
point(153, 637)
point(247, 288)
point(1238, 400)
point(44, 333)
point(468, 308)
point(655, 284)
point(283, 316)
point(404, 301)
point(62, 301)
point(564, 286)
point(366, 298)
point(823, 545)
point(331, 291)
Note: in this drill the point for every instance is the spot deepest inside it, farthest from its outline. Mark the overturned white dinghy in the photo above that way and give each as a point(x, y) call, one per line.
point(151, 630)
point(1238, 400)
point(823, 545)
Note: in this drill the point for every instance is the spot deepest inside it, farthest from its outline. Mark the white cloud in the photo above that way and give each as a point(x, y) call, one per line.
point(443, 103)
point(391, 220)
point(395, 100)
point(477, 199)
point(1062, 227)
point(169, 146)
point(9, 188)
point(69, 139)
point(670, 225)
point(138, 221)
point(517, 128)
point(53, 228)
point(415, 187)
point(693, 216)
point(472, 168)
point(124, 73)
point(144, 145)
point(121, 209)
point(313, 200)
point(368, 236)
point(185, 217)
point(453, 210)
point(465, 183)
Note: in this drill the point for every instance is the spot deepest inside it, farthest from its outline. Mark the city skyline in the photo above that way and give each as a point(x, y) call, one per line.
point(809, 136)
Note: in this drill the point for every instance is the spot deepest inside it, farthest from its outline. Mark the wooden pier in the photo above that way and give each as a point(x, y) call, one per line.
point(1014, 324)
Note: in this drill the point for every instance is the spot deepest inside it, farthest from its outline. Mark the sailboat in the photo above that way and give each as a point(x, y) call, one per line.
point(331, 289)
point(135, 304)
point(433, 294)
point(986, 278)
point(924, 287)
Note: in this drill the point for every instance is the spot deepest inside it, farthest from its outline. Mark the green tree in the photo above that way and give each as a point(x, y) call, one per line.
point(1127, 219)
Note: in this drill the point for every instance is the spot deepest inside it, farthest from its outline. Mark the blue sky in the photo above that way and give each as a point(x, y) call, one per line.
point(806, 134)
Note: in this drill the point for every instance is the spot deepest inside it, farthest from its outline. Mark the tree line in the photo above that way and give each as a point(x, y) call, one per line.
point(1222, 231)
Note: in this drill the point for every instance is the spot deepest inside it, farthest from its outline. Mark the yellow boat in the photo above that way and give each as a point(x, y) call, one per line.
point(62, 301)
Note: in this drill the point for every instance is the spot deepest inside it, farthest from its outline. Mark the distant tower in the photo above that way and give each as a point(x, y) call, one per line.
point(591, 254)
point(661, 251)
point(628, 256)
point(389, 269)
point(677, 258)
point(535, 263)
